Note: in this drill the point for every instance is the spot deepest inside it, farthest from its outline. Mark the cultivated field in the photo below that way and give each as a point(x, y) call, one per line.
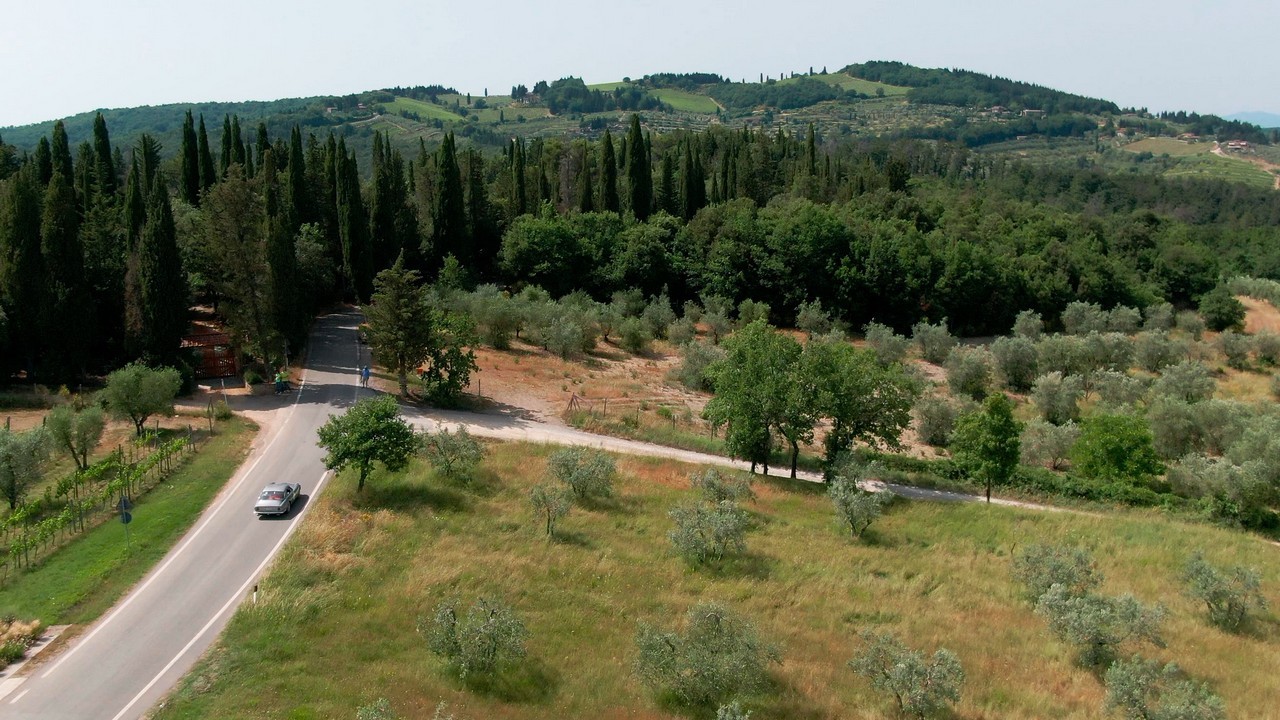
point(1169, 146)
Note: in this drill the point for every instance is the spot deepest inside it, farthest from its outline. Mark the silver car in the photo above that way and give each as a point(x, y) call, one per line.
point(277, 498)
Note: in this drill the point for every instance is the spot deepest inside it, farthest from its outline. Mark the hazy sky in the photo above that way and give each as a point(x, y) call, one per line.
point(61, 57)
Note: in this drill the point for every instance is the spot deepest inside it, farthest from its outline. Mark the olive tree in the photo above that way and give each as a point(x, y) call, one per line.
point(1040, 567)
point(487, 639)
point(371, 431)
point(1057, 397)
point(22, 460)
point(969, 372)
point(888, 346)
point(1044, 443)
point(921, 687)
point(855, 507)
point(550, 503)
point(935, 341)
point(1188, 380)
point(718, 657)
point(588, 473)
point(1235, 348)
point(936, 419)
point(1141, 689)
point(137, 392)
point(77, 432)
point(1157, 317)
point(1228, 593)
point(715, 487)
point(1017, 361)
point(1028, 325)
point(454, 455)
point(1099, 624)
point(706, 531)
point(1082, 318)
point(1155, 351)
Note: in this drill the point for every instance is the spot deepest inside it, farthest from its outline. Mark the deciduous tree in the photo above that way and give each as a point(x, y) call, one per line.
point(371, 431)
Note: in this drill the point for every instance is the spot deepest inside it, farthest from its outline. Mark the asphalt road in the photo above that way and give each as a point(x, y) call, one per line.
point(123, 664)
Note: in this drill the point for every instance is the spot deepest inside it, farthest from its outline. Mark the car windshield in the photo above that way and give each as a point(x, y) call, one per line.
point(271, 495)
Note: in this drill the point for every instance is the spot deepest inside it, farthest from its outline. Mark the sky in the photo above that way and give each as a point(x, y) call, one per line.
point(62, 57)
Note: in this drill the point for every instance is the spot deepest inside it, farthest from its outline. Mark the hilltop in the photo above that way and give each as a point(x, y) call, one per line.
point(873, 100)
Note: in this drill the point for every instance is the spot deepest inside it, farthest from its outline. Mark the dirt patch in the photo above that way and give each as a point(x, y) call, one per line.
point(1259, 315)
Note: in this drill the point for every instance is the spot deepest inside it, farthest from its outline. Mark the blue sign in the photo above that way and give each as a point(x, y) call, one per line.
point(125, 505)
point(126, 517)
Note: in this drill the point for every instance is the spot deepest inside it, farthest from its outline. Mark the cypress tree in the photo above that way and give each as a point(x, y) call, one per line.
point(282, 261)
point(237, 143)
point(43, 162)
point(226, 146)
point(66, 311)
point(385, 197)
point(448, 215)
point(134, 205)
point(353, 225)
point(639, 176)
point(586, 198)
point(22, 282)
point(161, 283)
point(693, 187)
point(295, 192)
point(208, 173)
point(84, 180)
point(189, 172)
point(608, 175)
point(61, 151)
point(485, 239)
point(104, 166)
point(811, 153)
point(667, 200)
point(147, 154)
point(520, 203)
point(263, 143)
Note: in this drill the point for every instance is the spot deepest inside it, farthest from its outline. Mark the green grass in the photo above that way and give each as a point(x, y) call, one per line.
point(686, 101)
point(1220, 168)
point(866, 87)
point(1168, 146)
point(344, 600)
point(609, 86)
point(84, 578)
point(426, 110)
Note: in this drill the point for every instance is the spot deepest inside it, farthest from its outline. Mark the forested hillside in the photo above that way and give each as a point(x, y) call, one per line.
point(268, 227)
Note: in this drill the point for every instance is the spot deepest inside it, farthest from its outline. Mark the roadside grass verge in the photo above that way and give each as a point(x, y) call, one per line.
point(335, 623)
point(85, 577)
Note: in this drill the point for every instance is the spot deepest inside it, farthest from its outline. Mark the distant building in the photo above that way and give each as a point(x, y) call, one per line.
point(1033, 113)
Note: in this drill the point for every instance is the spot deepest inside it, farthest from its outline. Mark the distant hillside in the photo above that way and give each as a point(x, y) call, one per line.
point(965, 88)
point(1261, 119)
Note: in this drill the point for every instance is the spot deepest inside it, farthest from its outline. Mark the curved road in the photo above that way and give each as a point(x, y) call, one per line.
point(129, 659)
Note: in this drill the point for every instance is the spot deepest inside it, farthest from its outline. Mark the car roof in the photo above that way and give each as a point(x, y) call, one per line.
point(277, 486)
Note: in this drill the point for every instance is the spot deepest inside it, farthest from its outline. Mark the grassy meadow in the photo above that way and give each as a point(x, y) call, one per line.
point(684, 101)
point(335, 624)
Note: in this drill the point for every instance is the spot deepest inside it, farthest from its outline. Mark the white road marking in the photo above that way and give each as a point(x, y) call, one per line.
point(24, 692)
point(237, 596)
point(190, 538)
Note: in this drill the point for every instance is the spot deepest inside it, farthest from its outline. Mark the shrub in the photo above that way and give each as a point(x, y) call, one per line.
point(888, 346)
point(634, 336)
point(1044, 443)
point(1017, 360)
point(921, 687)
point(935, 341)
point(252, 377)
point(658, 316)
point(811, 318)
point(1057, 397)
point(1143, 690)
point(716, 488)
point(1191, 323)
point(691, 311)
point(1157, 317)
point(1040, 567)
point(1236, 348)
point(1099, 624)
point(1228, 593)
point(718, 325)
point(485, 641)
point(1189, 381)
point(1124, 320)
point(1267, 345)
point(1115, 447)
point(732, 711)
point(695, 359)
point(749, 311)
point(682, 331)
point(1221, 310)
point(379, 709)
point(707, 531)
point(588, 473)
point(1154, 351)
point(1028, 325)
point(1081, 318)
point(1063, 354)
point(1228, 493)
point(1275, 386)
point(454, 455)
point(969, 372)
point(629, 303)
point(550, 503)
point(856, 507)
point(936, 419)
point(719, 656)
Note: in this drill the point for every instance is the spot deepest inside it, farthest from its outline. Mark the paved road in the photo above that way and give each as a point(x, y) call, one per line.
point(129, 659)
